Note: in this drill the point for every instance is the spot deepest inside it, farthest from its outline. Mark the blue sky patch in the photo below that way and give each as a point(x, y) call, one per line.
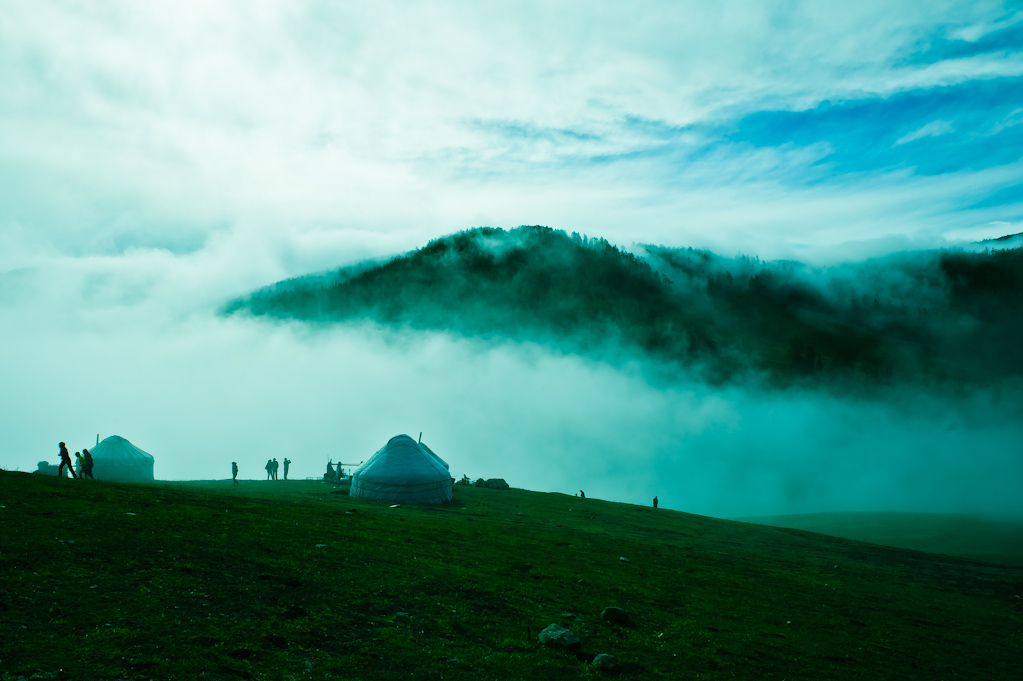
point(971, 126)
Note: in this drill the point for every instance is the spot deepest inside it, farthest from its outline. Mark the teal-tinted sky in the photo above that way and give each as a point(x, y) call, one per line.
point(157, 159)
point(782, 128)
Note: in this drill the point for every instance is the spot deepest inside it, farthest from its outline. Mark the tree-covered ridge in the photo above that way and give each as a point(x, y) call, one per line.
point(935, 314)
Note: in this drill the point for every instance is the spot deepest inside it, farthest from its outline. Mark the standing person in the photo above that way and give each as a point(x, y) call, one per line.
point(87, 464)
point(234, 472)
point(269, 469)
point(582, 494)
point(655, 502)
point(78, 463)
point(276, 466)
point(65, 460)
point(287, 464)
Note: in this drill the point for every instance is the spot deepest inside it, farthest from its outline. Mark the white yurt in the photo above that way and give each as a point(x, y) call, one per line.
point(403, 471)
point(117, 459)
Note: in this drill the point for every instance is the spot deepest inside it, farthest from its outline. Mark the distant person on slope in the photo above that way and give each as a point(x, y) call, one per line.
point(269, 469)
point(87, 464)
point(582, 494)
point(655, 502)
point(65, 460)
point(276, 466)
point(78, 463)
point(287, 464)
point(234, 472)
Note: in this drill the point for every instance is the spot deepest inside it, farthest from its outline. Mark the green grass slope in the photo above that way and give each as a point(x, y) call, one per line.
point(981, 538)
point(293, 581)
point(945, 316)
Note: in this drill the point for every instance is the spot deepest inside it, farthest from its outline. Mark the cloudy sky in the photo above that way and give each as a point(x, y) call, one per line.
point(158, 158)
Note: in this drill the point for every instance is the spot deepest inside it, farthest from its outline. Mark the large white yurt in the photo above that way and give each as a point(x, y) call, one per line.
point(117, 459)
point(403, 471)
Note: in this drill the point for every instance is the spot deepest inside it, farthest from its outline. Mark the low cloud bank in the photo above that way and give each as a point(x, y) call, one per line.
point(198, 392)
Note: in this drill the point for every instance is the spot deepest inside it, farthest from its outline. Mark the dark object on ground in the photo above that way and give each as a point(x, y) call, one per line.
point(464, 481)
point(606, 662)
point(558, 636)
point(616, 616)
point(46, 468)
point(492, 483)
point(582, 494)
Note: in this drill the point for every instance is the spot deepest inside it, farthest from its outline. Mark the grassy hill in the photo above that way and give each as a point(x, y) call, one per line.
point(295, 581)
point(982, 538)
point(944, 316)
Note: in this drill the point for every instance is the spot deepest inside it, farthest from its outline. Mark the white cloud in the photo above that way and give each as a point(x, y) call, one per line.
point(157, 126)
point(932, 129)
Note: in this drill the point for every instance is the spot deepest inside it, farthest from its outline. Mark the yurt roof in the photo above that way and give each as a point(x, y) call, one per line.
point(402, 458)
point(433, 454)
point(116, 448)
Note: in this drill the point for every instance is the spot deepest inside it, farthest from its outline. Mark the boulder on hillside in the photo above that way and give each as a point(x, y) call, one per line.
point(606, 662)
point(492, 483)
point(558, 636)
point(616, 616)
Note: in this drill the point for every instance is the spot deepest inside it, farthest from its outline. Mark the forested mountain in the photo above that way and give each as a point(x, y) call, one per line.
point(940, 315)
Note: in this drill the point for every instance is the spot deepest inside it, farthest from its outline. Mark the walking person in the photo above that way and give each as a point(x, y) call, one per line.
point(65, 460)
point(87, 464)
point(234, 472)
point(78, 463)
point(287, 463)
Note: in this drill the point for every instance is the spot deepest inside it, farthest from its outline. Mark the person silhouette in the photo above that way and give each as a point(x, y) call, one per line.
point(234, 472)
point(276, 466)
point(87, 464)
point(65, 460)
point(287, 464)
point(269, 469)
point(582, 494)
point(655, 502)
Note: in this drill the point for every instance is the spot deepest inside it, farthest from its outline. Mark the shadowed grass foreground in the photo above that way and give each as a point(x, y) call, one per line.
point(292, 581)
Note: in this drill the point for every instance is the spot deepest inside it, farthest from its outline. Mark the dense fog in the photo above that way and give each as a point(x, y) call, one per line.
point(159, 160)
point(98, 353)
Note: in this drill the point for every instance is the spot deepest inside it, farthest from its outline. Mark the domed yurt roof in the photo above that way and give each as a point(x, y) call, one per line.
point(117, 459)
point(403, 471)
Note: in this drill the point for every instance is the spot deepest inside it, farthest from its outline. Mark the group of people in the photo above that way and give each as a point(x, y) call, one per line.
point(82, 466)
point(271, 469)
point(332, 475)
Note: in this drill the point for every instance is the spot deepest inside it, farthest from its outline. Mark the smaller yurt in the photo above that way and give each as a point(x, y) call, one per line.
point(117, 459)
point(47, 468)
point(403, 471)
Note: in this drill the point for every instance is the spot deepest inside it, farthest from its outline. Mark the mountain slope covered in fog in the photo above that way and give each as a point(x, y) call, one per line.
point(940, 315)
